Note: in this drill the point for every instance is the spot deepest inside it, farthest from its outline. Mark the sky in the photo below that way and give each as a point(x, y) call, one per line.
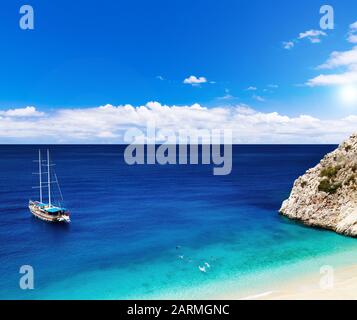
point(265, 69)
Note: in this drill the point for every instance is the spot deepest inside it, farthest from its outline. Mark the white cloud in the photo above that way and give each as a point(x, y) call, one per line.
point(106, 134)
point(352, 34)
point(312, 35)
point(245, 109)
point(194, 81)
point(344, 59)
point(252, 88)
point(227, 95)
point(348, 77)
point(259, 98)
point(21, 112)
point(288, 45)
point(107, 124)
point(352, 38)
point(341, 59)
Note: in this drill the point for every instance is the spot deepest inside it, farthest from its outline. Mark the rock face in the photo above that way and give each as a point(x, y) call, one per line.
point(326, 196)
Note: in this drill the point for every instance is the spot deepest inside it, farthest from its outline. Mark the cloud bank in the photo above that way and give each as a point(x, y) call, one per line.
point(21, 112)
point(107, 124)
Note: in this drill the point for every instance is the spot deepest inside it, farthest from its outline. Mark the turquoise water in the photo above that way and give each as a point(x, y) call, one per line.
point(143, 232)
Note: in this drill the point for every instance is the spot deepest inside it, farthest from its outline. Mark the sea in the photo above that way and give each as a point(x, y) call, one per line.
point(159, 231)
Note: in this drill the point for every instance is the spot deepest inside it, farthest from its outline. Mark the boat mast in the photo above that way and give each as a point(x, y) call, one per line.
point(40, 172)
point(49, 178)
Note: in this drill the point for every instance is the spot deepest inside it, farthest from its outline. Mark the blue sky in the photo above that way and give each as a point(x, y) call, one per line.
point(91, 53)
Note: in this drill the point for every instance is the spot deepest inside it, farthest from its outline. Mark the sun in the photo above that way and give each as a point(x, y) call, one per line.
point(348, 94)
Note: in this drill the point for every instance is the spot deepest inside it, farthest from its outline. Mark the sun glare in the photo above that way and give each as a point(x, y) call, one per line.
point(348, 94)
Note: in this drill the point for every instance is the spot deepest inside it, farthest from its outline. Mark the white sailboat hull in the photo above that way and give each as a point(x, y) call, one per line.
point(42, 214)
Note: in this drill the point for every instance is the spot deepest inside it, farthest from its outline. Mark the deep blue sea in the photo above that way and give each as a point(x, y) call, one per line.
point(143, 231)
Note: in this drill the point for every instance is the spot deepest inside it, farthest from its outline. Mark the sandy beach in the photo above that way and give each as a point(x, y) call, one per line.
point(312, 287)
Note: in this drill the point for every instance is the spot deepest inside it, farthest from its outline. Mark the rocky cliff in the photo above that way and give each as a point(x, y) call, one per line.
point(326, 195)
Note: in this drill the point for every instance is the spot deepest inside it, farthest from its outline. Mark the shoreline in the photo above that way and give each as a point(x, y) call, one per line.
point(308, 287)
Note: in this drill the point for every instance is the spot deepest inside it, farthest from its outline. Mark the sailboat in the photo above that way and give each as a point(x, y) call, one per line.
point(47, 211)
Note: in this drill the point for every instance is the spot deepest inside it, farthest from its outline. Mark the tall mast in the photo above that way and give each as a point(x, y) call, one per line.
point(40, 172)
point(49, 178)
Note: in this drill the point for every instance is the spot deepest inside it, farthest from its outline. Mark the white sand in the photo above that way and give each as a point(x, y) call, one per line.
point(312, 287)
